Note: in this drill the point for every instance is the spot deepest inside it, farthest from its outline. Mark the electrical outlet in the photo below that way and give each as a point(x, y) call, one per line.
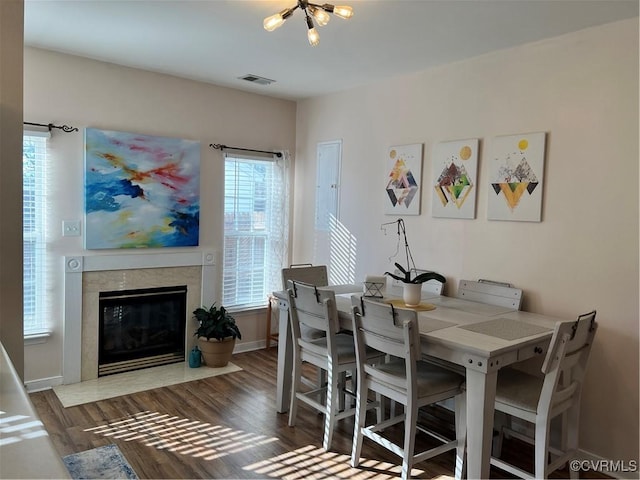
point(71, 228)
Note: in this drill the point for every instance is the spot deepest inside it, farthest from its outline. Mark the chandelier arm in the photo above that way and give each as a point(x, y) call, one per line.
point(287, 12)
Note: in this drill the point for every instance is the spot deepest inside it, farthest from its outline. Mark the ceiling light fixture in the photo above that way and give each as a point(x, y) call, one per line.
point(312, 11)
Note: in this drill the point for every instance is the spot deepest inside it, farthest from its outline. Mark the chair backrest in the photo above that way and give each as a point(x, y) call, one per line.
point(306, 273)
point(311, 308)
point(564, 366)
point(433, 286)
point(492, 293)
point(387, 329)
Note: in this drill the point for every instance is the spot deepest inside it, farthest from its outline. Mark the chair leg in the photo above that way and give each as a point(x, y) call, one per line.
point(267, 342)
point(295, 388)
point(321, 377)
point(342, 386)
point(359, 421)
point(570, 436)
point(410, 421)
point(331, 407)
point(541, 447)
point(461, 435)
point(380, 400)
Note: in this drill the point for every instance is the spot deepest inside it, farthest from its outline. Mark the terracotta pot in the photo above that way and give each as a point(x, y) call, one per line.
point(216, 353)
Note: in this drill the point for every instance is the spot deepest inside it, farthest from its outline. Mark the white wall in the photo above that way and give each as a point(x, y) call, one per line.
point(582, 89)
point(11, 35)
point(64, 89)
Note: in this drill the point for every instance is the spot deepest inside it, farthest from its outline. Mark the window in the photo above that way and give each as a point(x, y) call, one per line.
point(34, 148)
point(255, 229)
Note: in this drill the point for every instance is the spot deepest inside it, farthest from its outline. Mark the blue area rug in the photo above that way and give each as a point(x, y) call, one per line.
point(101, 462)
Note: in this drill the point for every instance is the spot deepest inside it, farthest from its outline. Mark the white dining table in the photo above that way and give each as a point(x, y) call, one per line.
point(479, 337)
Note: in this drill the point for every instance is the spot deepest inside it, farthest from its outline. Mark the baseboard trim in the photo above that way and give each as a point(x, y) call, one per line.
point(42, 384)
point(249, 346)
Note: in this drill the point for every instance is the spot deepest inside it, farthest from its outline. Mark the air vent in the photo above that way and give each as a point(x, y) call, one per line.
point(256, 79)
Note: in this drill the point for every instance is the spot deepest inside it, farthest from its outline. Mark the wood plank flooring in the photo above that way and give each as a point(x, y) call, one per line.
point(227, 427)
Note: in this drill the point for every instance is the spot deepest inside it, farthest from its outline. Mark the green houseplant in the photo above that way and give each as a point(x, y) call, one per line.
point(412, 287)
point(217, 333)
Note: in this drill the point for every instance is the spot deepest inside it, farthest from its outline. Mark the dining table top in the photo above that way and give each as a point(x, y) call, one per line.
point(473, 328)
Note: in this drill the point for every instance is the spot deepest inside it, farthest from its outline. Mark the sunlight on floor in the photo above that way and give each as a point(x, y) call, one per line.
point(314, 462)
point(16, 428)
point(181, 435)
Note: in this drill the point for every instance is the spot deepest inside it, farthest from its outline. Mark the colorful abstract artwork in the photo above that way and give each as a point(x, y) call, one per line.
point(455, 167)
point(404, 177)
point(517, 172)
point(141, 190)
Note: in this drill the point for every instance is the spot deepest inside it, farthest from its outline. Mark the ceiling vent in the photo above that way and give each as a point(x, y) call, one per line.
point(256, 79)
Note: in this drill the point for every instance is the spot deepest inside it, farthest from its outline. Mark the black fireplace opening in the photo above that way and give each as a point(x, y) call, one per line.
point(141, 328)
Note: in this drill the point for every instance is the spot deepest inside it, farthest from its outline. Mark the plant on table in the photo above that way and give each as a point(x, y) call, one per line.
point(406, 272)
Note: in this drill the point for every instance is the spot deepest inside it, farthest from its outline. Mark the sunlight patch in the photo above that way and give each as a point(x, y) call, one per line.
point(314, 462)
point(181, 435)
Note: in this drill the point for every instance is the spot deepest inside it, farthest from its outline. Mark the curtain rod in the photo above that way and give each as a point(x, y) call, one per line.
point(64, 128)
point(219, 146)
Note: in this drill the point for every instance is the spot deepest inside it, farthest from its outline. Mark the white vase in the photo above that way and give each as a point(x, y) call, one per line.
point(411, 294)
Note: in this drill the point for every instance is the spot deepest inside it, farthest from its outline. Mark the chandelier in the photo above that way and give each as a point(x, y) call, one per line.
point(313, 14)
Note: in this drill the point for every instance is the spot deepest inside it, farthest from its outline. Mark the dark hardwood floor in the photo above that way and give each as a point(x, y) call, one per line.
point(227, 427)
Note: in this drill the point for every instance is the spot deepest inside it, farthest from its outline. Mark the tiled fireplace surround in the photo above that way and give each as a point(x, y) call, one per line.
point(87, 276)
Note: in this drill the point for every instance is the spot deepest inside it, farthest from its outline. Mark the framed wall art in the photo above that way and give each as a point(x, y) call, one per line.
point(140, 190)
point(516, 177)
point(404, 178)
point(455, 167)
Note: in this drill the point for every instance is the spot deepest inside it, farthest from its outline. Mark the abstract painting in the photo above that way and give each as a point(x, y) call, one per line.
point(141, 190)
point(455, 167)
point(516, 177)
point(402, 191)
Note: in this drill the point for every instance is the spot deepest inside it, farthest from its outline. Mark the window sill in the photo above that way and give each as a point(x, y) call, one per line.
point(37, 338)
point(247, 310)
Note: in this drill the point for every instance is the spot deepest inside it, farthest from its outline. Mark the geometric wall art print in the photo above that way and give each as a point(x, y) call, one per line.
point(455, 167)
point(141, 191)
point(404, 177)
point(516, 177)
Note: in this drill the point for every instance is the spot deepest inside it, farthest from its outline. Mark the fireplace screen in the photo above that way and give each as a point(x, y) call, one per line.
point(141, 328)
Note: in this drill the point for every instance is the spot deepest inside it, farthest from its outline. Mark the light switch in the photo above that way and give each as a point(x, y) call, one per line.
point(71, 228)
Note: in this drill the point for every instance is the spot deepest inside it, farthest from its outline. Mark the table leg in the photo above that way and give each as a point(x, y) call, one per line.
point(481, 394)
point(285, 359)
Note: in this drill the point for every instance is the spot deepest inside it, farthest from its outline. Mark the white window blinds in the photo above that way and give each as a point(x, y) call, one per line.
point(255, 229)
point(34, 154)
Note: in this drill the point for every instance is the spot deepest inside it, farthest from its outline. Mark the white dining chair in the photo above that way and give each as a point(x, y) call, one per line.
point(490, 292)
point(403, 378)
point(333, 352)
point(306, 273)
point(303, 272)
point(538, 400)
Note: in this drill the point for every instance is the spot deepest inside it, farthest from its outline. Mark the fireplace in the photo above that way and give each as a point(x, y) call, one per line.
point(141, 328)
point(87, 276)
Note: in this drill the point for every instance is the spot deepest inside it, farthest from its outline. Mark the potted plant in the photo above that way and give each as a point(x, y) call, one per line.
point(216, 334)
point(412, 287)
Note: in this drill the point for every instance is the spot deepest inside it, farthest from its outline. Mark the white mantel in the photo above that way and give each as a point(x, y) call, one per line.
point(76, 265)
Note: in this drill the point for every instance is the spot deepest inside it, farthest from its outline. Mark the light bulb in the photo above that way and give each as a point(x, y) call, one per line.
point(312, 33)
point(274, 21)
point(343, 11)
point(314, 37)
point(320, 16)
